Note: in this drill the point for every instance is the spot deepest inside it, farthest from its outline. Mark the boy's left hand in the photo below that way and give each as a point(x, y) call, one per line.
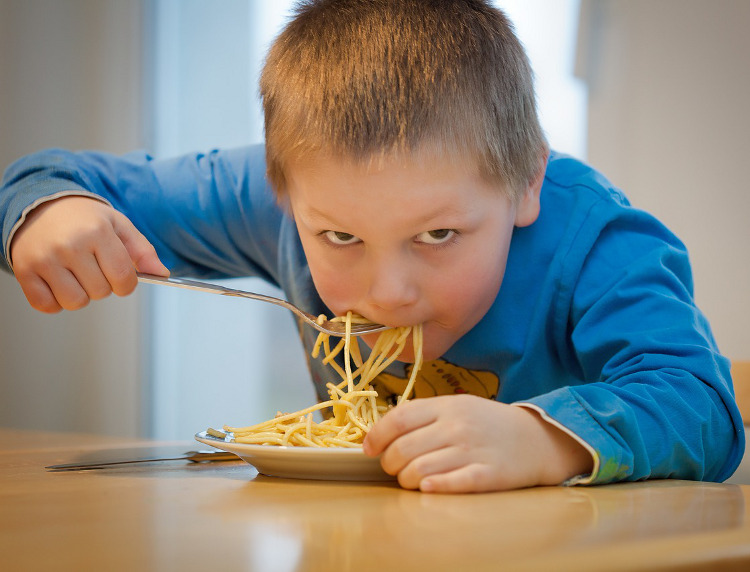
point(465, 443)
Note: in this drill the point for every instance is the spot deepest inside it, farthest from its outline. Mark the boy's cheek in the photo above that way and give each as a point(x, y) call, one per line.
point(337, 290)
point(333, 281)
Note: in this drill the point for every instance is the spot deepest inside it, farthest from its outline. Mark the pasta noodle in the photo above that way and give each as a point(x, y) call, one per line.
point(353, 401)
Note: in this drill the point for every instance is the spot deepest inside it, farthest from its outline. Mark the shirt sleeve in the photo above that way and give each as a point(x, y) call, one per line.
point(208, 215)
point(655, 397)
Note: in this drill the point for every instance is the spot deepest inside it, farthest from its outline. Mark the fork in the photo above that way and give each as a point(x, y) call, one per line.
point(327, 327)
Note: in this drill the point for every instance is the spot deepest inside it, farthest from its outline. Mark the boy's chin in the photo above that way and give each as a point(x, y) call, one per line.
point(428, 353)
point(431, 349)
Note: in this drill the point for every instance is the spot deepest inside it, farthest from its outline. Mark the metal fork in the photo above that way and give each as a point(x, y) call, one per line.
point(327, 327)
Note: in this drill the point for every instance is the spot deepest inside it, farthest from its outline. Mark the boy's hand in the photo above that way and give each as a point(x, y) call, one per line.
point(75, 249)
point(466, 443)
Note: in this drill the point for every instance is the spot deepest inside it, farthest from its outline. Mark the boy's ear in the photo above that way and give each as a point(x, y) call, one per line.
point(528, 207)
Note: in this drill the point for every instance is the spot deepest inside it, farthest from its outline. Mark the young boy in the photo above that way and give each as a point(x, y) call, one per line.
point(408, 180)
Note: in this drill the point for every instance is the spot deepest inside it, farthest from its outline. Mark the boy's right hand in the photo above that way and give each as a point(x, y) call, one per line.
point(75, 249)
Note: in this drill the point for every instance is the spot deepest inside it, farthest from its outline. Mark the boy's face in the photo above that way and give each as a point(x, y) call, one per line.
point(406, 242)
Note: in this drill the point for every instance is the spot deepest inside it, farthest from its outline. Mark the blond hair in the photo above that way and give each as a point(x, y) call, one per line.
point(363, 79)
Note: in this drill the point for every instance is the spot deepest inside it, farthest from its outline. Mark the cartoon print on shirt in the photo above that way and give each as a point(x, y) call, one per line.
point(437, 377)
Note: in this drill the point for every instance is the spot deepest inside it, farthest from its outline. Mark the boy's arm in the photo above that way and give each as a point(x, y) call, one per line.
point(208, 215)
point(655, 398)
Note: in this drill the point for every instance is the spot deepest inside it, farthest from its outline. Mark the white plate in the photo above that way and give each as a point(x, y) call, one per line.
point(327, 463)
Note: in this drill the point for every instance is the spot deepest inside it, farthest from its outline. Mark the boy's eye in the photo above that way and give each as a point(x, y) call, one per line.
point(340, 238)
point(439, 236)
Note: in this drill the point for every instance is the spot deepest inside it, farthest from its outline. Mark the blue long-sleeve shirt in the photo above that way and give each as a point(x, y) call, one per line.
point(595, 325)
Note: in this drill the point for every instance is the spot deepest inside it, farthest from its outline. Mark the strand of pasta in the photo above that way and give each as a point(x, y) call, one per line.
point(354, 404)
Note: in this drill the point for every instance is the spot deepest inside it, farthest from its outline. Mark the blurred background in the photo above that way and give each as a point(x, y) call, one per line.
point(652, 92)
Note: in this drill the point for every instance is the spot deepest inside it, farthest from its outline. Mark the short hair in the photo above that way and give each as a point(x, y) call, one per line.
point(363, 79)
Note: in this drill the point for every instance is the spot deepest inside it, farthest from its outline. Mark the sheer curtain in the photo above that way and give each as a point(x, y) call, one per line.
point(216, 360)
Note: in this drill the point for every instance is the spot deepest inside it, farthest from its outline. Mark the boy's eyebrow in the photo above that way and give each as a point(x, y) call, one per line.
point(317, 215)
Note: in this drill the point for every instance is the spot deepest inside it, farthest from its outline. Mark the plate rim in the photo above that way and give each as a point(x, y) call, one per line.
point(266, 459)
point(207, 439)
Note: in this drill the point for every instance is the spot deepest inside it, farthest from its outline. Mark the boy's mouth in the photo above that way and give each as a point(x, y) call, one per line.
point(432, 346)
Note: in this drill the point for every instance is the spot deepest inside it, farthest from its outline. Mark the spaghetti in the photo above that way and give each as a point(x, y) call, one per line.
point(353, 401)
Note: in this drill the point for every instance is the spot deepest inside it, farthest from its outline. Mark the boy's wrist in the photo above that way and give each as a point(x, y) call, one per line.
point(561, 457)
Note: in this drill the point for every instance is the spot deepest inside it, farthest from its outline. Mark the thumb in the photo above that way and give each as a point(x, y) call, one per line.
point(140, 250)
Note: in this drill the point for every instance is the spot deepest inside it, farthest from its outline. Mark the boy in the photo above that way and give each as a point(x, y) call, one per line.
point(412, 184)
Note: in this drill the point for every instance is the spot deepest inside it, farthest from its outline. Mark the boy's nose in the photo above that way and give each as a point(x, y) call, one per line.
point(392, 286)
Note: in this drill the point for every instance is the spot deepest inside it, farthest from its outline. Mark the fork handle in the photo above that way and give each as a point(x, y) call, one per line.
point(211, 289)
point(335, 329)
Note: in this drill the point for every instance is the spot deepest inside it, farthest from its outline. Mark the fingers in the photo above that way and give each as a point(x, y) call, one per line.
point(399, 421)
point(451, 444)
point(73, 250)
point(470, 478)
point(39, 294)
point(428, 459)
point(114, 270)
point(116, 260)
point(411, 444)
point(119, 257)
point(140, 251)
point(58, 288)
point(432, 462)
point(91, 275)
point(410, 453)
point(51, 287)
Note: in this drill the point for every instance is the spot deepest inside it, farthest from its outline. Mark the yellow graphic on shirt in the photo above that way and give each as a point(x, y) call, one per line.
point(437, 377)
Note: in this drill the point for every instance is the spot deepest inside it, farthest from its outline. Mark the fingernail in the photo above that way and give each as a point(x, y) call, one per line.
point(426, 486)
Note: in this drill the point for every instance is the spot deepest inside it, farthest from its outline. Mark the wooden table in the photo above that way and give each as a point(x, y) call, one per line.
point(224, 516)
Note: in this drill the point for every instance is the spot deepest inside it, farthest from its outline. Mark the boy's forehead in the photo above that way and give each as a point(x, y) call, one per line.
point(412, 172)
point(434, 184)
point(386, 161)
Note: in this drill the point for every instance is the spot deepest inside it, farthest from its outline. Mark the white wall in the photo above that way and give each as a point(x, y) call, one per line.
point(70, 75)
point(669, 86)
